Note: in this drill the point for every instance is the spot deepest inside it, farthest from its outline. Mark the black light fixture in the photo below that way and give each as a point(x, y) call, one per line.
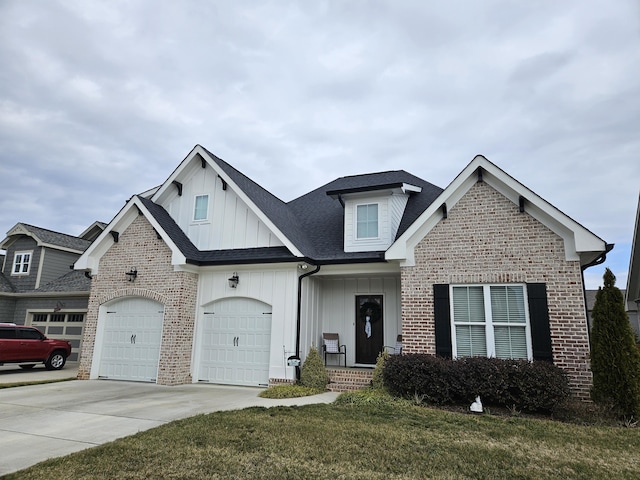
point(234, 280)
point(132, 274)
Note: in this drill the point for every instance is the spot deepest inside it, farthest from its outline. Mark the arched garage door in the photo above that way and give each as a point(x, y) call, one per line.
point(235, 342)
point(131, 338)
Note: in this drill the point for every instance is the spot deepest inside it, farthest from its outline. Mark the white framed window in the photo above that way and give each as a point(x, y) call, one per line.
point(201, 207)
point(21, 263)
point(490, 321)
point(367, 221)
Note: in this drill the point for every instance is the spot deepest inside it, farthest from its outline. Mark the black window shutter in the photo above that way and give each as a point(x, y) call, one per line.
point(442, 315)
point(539, 317)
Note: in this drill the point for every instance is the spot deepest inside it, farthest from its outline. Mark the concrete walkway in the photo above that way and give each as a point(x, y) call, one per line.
point(38, 422)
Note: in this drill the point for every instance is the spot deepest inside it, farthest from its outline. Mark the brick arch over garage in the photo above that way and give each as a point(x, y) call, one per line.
point(132, 292)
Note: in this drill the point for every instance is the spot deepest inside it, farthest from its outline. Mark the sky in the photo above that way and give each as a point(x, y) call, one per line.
point(100, 100)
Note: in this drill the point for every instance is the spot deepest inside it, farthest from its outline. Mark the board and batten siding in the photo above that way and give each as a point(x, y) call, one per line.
point(276, 286)
point(230, 223)
point(339, 305)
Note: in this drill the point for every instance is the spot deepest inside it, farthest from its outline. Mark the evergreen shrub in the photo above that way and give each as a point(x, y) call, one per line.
point(529, 386)
point(313, 374)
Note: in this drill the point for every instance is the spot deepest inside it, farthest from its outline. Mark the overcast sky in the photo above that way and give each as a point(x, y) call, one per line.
point(102, 99)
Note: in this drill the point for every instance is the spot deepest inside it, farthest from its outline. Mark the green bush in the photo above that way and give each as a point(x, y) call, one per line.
point(287, 391)
point(377, 381)
point(313, 374)
point(530, 386)
point(615, 359)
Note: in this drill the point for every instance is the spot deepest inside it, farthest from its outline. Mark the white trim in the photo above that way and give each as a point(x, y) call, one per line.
point(22, 253)
point(580, 243)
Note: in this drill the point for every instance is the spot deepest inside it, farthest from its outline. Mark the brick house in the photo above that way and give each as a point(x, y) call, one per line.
point(210, 278)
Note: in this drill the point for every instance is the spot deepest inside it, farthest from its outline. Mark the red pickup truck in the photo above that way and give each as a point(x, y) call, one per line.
point(28, 346)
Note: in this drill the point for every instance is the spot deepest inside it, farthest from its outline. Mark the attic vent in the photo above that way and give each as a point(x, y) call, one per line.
point(179, 185)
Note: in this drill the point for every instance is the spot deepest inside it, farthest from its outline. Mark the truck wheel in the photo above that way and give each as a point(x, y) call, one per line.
point(56, 361)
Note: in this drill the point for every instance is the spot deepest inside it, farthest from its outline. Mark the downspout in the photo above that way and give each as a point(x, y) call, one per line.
point(299, 315)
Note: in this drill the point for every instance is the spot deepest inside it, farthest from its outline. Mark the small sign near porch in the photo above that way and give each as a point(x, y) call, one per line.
point(369, 331)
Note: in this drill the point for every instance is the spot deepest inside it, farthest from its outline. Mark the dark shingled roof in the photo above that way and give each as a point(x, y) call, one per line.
point(74, 281)
point(312, 222)
point(57, 238)
point(321, 216)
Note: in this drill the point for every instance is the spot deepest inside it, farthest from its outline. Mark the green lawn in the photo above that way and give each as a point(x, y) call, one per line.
point(348, 441)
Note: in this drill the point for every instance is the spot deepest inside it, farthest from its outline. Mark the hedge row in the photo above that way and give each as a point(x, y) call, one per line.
point(528, 386)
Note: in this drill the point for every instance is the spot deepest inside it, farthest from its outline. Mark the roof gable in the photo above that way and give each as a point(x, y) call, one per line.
point(46, 238)
point(580, 243)
point(268, 209)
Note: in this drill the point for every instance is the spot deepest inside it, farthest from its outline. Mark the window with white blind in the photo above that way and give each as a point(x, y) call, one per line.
point(490, 321)
point(201, 207)
point(367, 221)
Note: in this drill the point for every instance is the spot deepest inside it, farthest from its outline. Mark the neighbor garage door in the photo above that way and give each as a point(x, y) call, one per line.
point(131, 338)
point(63, 326)
point(235, 343)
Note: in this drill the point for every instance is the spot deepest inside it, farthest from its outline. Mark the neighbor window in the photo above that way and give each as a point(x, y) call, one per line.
point(490, 321)
point(200, 211)
point(21, 263)
point(367, 221)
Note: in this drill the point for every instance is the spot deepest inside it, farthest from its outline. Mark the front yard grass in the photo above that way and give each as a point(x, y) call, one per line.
point(356, 441)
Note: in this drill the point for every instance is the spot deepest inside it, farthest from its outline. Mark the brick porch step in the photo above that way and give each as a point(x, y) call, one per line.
point(349, 379)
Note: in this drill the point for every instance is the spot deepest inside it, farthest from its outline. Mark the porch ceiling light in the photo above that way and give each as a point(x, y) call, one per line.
point(234, 280)
point(132, 274)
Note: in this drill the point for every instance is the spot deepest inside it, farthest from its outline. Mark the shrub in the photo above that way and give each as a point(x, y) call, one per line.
point(313, 373)
point(369, 396)
point(377, 380)
point(419, 374)
point(530, 386)
point(287, 391)
point(615, 360)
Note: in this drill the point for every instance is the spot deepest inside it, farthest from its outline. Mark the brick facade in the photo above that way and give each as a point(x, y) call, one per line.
point(485, 239)
point(139, 246)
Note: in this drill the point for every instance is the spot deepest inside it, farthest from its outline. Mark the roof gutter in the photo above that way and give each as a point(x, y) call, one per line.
point(299, 314)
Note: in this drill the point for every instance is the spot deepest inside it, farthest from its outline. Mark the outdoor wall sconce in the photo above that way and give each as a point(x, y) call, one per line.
point(234, 280)
point(132, 274)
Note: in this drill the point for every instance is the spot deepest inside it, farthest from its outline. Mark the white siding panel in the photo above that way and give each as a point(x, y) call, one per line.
point(275, 286)
point(384, 240)
point(230, 222)
point(397, 204)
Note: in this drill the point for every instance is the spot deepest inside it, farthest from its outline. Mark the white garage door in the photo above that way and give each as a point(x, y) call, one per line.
point(235, 343)
point(131, 340)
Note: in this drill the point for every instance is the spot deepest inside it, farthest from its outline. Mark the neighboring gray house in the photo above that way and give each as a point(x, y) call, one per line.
point(37, 284)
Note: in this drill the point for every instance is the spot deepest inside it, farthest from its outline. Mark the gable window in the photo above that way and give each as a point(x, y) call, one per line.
point(367, 221)
point(21, 263)
point(490, 321)
point(201, 209)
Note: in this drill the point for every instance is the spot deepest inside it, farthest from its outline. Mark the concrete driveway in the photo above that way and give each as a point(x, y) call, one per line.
point(38, 422)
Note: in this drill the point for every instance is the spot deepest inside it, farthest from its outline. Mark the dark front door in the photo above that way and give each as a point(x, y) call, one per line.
point(369, 321)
